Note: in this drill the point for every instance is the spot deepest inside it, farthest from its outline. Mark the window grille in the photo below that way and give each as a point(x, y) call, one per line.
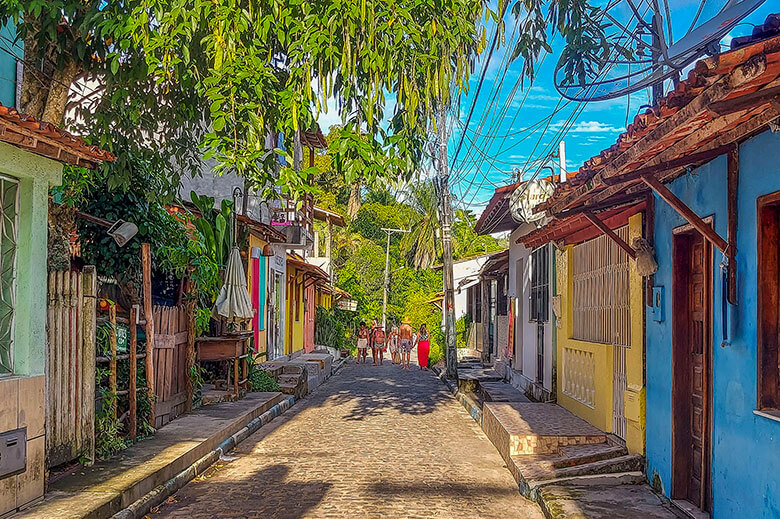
point(601, 301)
point(9, 223)
point(540, 285)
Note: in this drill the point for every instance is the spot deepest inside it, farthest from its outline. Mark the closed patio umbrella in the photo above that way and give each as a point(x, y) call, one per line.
point(233, 301)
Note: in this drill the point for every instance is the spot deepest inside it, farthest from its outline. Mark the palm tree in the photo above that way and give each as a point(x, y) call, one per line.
point(420, 246)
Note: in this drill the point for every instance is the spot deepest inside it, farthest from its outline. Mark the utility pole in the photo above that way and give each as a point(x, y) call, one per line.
point(446, 242)
point(387, 274)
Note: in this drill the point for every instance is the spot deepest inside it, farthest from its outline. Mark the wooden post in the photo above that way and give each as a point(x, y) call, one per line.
point(189, 305)
point(733, 188)
point(650, 237)
point(146, 263)
point(88, 353)
point(692, 218)
point(132, 395)
point(112, 362)
point(592, 218)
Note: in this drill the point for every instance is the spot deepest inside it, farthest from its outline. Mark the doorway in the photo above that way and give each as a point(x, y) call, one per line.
point(691, 365)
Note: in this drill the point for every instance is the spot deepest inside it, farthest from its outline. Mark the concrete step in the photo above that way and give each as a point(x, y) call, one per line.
point(604, 501)
point(535, 429)
point(501, 392)
point(581, 454)
point(535, 471)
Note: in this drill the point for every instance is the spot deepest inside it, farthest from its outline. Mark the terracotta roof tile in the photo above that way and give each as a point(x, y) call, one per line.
point(48, 140)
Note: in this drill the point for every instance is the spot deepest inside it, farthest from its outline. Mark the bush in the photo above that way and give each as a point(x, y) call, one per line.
point(438, 347)
point(261, 381)
point(331, 329)
point(462, 327)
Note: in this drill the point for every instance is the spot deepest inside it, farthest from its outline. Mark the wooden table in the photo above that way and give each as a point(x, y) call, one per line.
point(233, 347)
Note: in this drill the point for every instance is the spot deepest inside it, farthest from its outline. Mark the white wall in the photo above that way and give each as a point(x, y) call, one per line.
point(462, 270)
point(525, 362)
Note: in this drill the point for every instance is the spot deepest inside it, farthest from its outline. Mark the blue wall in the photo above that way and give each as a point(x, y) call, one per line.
point(8, 65)
point(746, 447)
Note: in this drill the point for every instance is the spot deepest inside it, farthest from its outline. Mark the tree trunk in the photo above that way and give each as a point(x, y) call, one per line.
point(58, 92)
point(35, 85)
point(353, 206)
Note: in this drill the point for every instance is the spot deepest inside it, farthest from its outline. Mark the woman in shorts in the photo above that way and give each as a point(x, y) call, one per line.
point(362, 343)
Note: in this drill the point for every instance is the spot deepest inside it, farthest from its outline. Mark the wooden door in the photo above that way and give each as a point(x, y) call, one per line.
point(691, 392)
point(171, 327)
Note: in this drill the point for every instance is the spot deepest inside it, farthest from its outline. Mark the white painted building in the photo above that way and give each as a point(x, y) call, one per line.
point(529, 362)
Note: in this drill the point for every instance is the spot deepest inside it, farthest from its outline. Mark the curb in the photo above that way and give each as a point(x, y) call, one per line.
point(155, 497)
point(466, 401)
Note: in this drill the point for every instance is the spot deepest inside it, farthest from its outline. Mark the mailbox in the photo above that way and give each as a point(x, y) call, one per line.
point(13, 452)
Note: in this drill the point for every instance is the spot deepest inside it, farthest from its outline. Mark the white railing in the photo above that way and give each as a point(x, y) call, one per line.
point(579, 375)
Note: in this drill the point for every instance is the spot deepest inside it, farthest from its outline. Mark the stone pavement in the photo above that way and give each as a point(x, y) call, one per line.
point(373, 442)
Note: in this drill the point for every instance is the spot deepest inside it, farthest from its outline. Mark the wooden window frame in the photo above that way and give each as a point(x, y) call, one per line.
point(502, 301)
point(768, 302)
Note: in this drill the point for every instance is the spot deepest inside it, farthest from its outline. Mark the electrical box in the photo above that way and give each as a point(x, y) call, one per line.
point(658, 304)
point(13, 452)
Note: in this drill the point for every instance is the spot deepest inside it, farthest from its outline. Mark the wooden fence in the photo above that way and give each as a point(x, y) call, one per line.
point(70, 366)
point(171, 363)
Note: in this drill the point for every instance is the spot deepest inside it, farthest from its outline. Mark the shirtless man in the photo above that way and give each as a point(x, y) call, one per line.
point(378, 342)
point(405, 333)
point(362, 342)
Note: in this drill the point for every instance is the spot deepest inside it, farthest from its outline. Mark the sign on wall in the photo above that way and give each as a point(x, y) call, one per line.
point(526, 197)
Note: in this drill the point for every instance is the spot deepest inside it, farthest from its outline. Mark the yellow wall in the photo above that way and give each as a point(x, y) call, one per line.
point(600, 414)
point(290, 319)
point(254, 241)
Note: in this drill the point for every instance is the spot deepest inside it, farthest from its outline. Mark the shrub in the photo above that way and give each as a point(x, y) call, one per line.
point(261, 381)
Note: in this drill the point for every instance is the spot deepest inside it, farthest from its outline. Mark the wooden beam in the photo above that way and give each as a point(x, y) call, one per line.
point(686, 212)
point(687, 160)
point(592, 218)
point(745, 102)
point(733, 187)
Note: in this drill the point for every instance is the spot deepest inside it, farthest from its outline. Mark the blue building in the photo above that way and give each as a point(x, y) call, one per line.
point(9, 50)
point(706, 162)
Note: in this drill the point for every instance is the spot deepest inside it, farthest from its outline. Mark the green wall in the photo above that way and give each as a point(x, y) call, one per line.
point(36, 174)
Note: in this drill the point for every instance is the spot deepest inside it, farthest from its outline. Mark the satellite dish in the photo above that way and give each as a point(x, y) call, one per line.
point(526, 197)
point(653, 55)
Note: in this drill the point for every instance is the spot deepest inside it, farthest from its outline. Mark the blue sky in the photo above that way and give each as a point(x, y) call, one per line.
point(517, 128)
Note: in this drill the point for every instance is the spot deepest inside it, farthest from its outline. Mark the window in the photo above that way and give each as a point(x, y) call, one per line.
point(9, 217)
point(601, 300)
point(502, 302)
point(540, 285)
point(769, 301)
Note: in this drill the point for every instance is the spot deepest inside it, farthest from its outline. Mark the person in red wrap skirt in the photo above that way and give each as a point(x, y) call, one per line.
point(423, 346)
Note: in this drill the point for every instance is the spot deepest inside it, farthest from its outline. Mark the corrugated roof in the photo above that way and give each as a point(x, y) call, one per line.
point(48, 140)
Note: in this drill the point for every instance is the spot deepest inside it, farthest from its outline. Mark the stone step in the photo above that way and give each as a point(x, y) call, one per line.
point(535, 471)
point(580, 454)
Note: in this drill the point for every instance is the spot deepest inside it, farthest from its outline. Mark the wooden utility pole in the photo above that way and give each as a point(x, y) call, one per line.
point(446, 241)
point(387, 275)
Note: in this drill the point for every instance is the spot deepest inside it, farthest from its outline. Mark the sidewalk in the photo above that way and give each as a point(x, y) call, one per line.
point(104, 489)
point(570, 468)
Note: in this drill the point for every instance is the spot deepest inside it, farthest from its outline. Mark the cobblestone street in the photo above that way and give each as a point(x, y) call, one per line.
point(372, 442)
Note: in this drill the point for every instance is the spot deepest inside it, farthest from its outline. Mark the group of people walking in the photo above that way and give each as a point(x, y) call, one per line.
point(400, 341)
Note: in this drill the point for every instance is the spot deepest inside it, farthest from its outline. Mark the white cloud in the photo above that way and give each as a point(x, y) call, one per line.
point(589, 127)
